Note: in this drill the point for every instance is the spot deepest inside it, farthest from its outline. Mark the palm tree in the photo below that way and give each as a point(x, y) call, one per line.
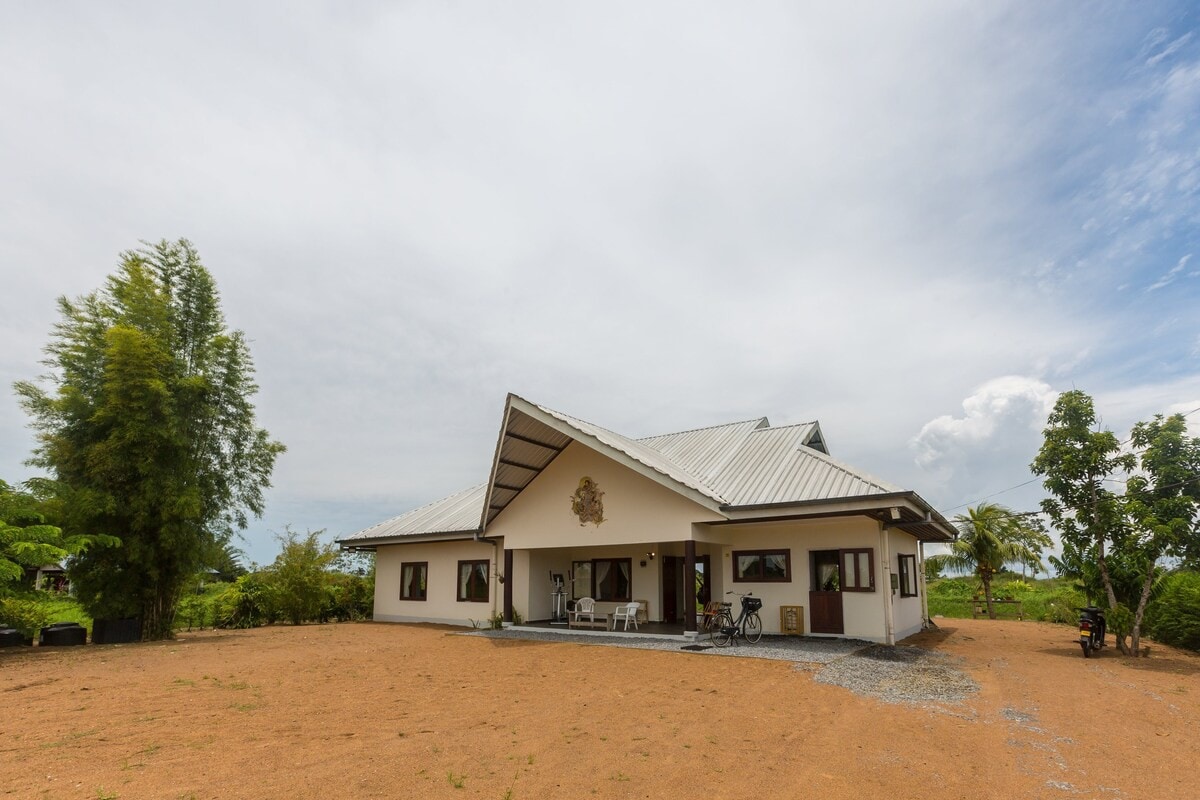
point(990, 536)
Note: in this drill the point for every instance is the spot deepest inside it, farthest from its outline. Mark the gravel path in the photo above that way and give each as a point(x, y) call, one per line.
point(891, 674)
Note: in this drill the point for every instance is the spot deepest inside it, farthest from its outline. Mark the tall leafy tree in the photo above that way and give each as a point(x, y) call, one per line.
point(990, 536)
point(1077, 461)
point(1161, 502)
point(147, 422)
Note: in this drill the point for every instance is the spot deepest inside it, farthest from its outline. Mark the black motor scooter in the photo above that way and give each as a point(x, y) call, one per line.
point(1092, 628)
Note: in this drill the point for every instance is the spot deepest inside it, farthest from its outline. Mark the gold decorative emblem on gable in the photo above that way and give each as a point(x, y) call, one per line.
point(588, 503)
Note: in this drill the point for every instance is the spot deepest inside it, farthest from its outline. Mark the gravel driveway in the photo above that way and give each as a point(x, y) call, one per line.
point(897, 674)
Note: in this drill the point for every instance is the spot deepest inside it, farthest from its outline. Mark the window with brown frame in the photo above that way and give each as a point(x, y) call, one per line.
point(473, 581)
point(908, 576)
point(412, 580)
point(612, 579)
point(581, 579)
point(858, 570)
point(762, 566)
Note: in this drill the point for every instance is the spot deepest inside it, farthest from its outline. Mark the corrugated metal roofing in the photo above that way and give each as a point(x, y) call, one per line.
point(457, 513)
point(773, 465)
point(704, 451)
point(737, 465)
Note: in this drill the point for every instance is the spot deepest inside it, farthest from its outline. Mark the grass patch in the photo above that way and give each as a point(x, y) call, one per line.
point(1046, 600)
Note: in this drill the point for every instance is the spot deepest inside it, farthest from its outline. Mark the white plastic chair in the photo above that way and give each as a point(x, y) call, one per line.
point(627, 612)
point(584, 607)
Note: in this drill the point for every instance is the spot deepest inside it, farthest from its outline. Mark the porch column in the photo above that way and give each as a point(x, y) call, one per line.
point(508, 583)
point(689, 591)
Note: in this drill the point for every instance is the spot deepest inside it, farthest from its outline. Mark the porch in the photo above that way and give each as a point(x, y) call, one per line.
point(648, 630)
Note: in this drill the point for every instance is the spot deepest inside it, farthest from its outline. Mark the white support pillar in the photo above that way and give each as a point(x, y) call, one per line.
point(885, 560)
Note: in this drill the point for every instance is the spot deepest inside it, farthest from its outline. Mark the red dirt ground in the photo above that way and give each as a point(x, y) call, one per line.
point(398, 711)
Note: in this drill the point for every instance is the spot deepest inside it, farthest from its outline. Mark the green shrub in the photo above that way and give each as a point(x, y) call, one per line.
point(246, 603)
point(1054, 604)
point(1016, 589)
point(348, 597)
point(27, 616)
point(1173, 617)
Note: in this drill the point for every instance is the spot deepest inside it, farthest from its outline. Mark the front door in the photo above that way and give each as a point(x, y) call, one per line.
point(672, 578)
point(674, 586)
point(825, 598)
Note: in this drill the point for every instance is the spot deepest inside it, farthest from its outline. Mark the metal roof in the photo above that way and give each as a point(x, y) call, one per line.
point(773, 465)
point(458, 513)
point(726, 467)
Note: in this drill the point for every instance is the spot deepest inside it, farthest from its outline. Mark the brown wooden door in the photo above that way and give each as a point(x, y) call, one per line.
point(672, 574)
point(825, 599)
point(825, 612)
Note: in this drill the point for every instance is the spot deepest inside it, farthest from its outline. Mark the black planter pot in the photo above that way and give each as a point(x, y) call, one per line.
point(10, 637)
point(116, 631)
point(63, 634)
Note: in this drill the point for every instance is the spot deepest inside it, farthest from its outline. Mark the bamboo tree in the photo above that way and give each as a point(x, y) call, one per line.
point(148, 425)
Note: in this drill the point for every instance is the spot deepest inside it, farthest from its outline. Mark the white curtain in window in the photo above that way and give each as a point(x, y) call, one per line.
point(827, 576)
point(602, 568)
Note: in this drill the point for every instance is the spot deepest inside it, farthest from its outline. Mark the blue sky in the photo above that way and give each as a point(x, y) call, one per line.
point(914, 224)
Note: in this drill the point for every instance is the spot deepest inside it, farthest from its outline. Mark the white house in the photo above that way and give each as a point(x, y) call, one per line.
point(744, 507)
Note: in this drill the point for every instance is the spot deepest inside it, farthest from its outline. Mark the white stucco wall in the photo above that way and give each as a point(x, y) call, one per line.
point(637, 510)
point(862, 612)
point(441, 603)
point(907, 611)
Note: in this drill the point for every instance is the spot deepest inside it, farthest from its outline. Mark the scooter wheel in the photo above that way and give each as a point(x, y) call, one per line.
point(1087, 650)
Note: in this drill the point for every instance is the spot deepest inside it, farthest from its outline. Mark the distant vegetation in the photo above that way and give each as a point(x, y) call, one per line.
point(1173, 613)
point(307, 582)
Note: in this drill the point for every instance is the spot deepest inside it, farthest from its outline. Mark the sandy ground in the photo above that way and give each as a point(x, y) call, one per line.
point(397, 711)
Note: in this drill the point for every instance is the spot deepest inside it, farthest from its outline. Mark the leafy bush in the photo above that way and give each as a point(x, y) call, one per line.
point(1016, 589)
point(29, 611)
point(27, 616)
point(199, 607)
point(246, 603)
point(348, 597)
point(300, 575)
point(1174, 616)
point(1054, 603)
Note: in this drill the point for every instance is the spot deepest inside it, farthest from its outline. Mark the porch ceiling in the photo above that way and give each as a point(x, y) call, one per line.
point(527, 446)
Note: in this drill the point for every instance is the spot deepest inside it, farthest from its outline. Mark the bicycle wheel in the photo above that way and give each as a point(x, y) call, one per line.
point(752, 628)
point(722, 632)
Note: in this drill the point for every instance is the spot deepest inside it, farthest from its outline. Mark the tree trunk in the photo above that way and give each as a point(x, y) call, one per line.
point(987, 595)
point(1143, 601)
point(1112, 595)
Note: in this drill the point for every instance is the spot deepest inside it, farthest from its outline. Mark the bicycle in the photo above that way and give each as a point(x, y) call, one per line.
point(723, 629)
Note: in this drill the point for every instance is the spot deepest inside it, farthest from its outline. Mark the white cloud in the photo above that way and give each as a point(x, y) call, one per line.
point(1170, 275)
point(990, 445)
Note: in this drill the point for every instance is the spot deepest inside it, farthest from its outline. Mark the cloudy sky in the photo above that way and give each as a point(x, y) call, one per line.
point(914, 222)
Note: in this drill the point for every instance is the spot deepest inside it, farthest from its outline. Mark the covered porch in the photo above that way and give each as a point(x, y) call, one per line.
point(671, 582)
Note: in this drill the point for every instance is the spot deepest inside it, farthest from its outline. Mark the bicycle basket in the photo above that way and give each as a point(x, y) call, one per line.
point(751, 603)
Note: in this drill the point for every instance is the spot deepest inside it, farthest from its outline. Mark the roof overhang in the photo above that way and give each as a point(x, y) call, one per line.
point(371, 544)
point(904, 511)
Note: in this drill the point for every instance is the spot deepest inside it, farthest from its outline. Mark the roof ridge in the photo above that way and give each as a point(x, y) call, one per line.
point(785, 427)
point(708, 428)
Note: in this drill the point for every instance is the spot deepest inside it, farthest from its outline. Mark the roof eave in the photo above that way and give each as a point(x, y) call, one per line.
point(405, 538)
point(922, 521)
